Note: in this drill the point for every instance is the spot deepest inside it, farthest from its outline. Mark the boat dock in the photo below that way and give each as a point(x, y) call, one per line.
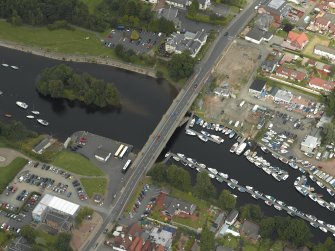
point(269, 200)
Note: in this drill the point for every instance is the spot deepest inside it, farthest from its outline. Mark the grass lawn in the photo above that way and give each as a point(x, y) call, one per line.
point(316, 39)
point(45, 239)
point(94, 185)
point(9, 172)
point(61, 41)
point(91, 4)
point(76, 163)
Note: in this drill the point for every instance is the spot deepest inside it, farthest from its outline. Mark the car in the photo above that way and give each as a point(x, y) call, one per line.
point(18, 230)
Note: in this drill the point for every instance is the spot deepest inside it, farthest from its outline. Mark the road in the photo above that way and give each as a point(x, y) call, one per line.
point(169, 122)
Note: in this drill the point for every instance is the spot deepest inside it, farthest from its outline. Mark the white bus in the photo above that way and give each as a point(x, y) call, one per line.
point(118, 151)
point(125, 149)
point(126, 166)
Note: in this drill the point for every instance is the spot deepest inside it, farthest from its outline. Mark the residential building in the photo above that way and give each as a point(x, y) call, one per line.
point(178, 3)
point(170, 14)
point(231, 218)
point(217, 223)
point(279, 9)
point(102, 155)
point(173, 206)
point(297, 40)
point(250, 230)
point(264, 21)
point(269, 65)
point(309, 144)
point(321, 84)
point(162, 237)
point(291, 74)
point(204, 4)
point(257, 87)
point(179, 42)
point(324, 51)
point(321, 23)
point(256, 35)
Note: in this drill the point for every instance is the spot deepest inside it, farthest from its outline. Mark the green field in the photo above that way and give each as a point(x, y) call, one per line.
point(77, 164)
point(94, 185)
point(8, 173)
point(91, 4)
point(61, 41)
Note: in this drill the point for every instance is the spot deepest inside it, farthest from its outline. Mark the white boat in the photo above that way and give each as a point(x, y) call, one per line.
point(292, 208)
point(268, 202)
point(192, 122)
point(320, 184)
point(255, 196)
point(234, 181)
point(241, 189)
point(251, 159)
point(175, 158)
point(190, 132)
point(241, 148)
point(231, 134)
point(202, 165)
point(5, 65)
point(247, 152)
point(331, 193)
point(205, 133)
point(321, 222)
point(213, 171)
point(181, 155)
point(249, 188)
point(217, 138)
point(30, 116)
point(35, 112)
point(265, 140)
point(203, 138)
point(278, 207)
point(212, 176)
point(293, 165)
point(21, 104)
point(311, 217)
point(167, 154)
point(224, 175)
point(14, 67)
point(231, 185)
point(314, 224)
point(281, 203)
point(228, 131)
point(233, 148)
point(192, 161)
point(198, 169)
point(323, 229)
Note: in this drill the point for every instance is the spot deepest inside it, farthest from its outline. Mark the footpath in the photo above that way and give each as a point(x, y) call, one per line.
point(79, 58)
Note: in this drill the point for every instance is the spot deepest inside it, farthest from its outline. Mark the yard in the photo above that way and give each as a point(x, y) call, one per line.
point(9, 172)
point(94, 186)
point(315, 40)
point(77, 164)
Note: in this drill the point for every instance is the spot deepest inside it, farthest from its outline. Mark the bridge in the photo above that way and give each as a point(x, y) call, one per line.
point(172, 118)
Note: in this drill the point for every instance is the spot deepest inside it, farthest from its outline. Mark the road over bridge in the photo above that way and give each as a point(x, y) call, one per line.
point(172, 118)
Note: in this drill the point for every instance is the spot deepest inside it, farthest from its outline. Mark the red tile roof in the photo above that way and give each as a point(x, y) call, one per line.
point(134, 243)
point(160, 248)
point(139, 245)
point(296, 39)
point(297, 75)
point(321, 84)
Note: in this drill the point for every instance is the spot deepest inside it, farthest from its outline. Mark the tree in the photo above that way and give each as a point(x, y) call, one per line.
point(28, 232)
point(134, 35)
point(207, 241)
point(62, 242)
point(328, 133)
point(204, 188)
point(296, 232)
point(158, 172)
point(267, 228)
point(251, 212)
point(329, 102)
point(181, 66)
point(226, 200)
point(179, 178)
point(194, 8)
point(328, 245)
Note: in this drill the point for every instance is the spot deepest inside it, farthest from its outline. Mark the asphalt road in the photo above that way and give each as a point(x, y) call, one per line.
point(172, 118)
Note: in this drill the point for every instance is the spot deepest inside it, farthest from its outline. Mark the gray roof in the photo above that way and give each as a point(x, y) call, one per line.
point(171, 205)
point(325, 49)
point(276, 4)
point(258, 85)
point(257, 34)
point(250, 229)
point(232, 215)
point(169, 14)
point(264, 21)
point(330, 17)
point(40, 146)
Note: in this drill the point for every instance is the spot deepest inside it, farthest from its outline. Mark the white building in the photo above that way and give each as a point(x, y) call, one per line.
point(204, 4)
point(56, 204)
point(324, 51)
point(309, 144)
point(283, 96)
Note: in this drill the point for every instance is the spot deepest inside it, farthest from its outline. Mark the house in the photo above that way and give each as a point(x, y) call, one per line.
point(283, 96)
point(321, 84)
point(256, 35)
point(269, 65)
point(204, 4)
point(178, 3)
point(173, 206)
point(170, 14)
point(257, 87)
point(250, 230)
point(177, 42)
point(321, 23)
point(279, 9)
point(324, 51)
point(162, 237)
point(102, 155)
point(231, 218)
point(44, 144)
point(309, 144)
point(264, 21)
point(291, 74)
point(297, 40)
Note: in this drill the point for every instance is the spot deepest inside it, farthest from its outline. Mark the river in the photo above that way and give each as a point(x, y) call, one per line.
point(144, 100)
point(239, 168)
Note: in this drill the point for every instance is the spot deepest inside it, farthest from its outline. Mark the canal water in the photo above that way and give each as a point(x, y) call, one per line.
point(144, 100)
point(239, 168)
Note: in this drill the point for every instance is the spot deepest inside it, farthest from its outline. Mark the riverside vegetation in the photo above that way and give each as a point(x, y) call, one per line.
point(62, 81)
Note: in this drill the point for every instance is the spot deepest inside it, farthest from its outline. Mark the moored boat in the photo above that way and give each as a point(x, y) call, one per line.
point(7, 115)
point(14, 67)
point(35, 112)
point(5, 65)
point(224, 175)
point(21, 104)
point(241, 148)
point(30, 116)
point(192, 122)
point(233, 148)
point(278, 207)
point(190, 132)
point(264, 149)
point(203, 138)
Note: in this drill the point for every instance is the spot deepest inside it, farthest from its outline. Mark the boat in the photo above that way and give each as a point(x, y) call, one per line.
point(228, 131)
point(332, 203)
point(213, 171)
point(184, 162)
point(271, 198)
point(181, 155)
point(281, 203)
point(259, 193)
point(35, 112)
point(1, 93)
point(321, 202)
point(255, 196)
point(201, 122)
point(212, 176)
point(330, 208)
point(219, 179)
point(198, 169)
point(301, 190)
point(190, 132)
point(314, 224)
point(321, 222)
point(241, 189)
point(14, 67)
point(5, 65)
point(264, 149)
point(247, 152)
point(249, 188)
point(203, 138)
point(241, 148)
point(233, 148)
point(331, 193)
point(251, 159)
point(320, 184)
point(192, 161)
point(192, 122)
point(218, 139)
point(205, 133)
point(21, 104)
point(268, 202)
point(30, 116)
point(278, 207)
point(311, 217)
point(234, 181)
point(293, 165)
point(231, 134)
point(7, 115)
point(294, 209)
point(323, 229)
point(231, 185)
point(284, 160)
point(175, 158)
point(224, 175)
point(202, 165)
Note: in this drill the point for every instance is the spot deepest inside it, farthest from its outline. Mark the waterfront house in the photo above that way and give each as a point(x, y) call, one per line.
point(231, 217)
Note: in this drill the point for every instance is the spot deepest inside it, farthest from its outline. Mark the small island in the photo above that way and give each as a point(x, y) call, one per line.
point(61, 81)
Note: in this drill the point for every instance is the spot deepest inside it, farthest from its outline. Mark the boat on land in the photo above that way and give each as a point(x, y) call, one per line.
point(30, 116)
point(190, 132)
point(21, 104)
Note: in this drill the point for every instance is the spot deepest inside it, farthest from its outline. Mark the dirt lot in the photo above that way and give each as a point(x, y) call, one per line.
point(8, 155)
point(237, 65)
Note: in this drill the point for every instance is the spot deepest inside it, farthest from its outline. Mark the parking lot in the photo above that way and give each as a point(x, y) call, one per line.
point(144, 44)
point(112, 167)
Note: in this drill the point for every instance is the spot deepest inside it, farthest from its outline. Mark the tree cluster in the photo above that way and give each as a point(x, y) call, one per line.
point(15, 131)
point(226, 200)
point(62, 82)
point(288, 229)
point(181, 66)
point(329, 102)
point(328, 245)
point(251, 212)
point(207, 240)
point(237, 3)
point(83, 213)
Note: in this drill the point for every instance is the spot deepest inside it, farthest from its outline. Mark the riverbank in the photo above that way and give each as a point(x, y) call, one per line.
point(79, 58)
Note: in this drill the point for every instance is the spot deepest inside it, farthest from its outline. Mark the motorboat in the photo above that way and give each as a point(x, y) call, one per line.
point(330, 208)
point(278, 207)
point(241, 189)
point(228, 131)
point(320, 184)
point(231, 185)
point(213, 171)
point(321, 202)
point(247, 152)
point(7, 115)
point(234, 181)
point(212, 176)
point(231, 134)
point(35, 112)
point(259, 193)
point(233, 148)
point(249, 188)
point(1, 93)
point(14, 67)
point(184, 162)
point(323, 229)
point(281, 203)
point(198, 169)
point(205, 133)
point(255, 196)
point(293, 165)
point(192, 161)
point(192, 122)
point(21, 104)
point(294, 209)
point(30, 116)
point(167, 154)
point(224, 175)
point(314, 224)
point(271, 198)
point(176, 158)
point(203, 138)
point(268, 202)
point(181, 155)
point(202, 165)
point(241, 148)
point(331, 192)
point(190, 132)
point(284, 160)
point(217, 138)
point(311, 217)
point(5, 65)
